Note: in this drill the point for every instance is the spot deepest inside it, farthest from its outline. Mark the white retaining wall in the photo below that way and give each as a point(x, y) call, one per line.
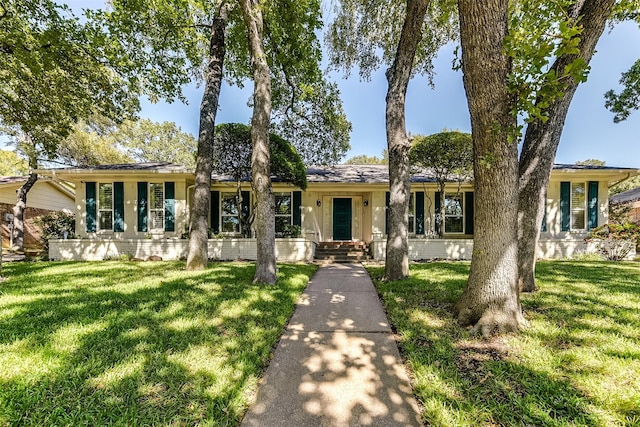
point(287, 250)
point(459, 249)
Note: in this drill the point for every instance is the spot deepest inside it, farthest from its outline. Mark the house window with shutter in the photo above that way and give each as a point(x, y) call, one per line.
point(578, 205)
point(105, 206)
point(229, 213)
point(453, 213)
point(284, 213)
point(156, 206)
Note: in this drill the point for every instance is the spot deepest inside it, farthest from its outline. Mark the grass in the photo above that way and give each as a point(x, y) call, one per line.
point(126, 343)
point(578, 363)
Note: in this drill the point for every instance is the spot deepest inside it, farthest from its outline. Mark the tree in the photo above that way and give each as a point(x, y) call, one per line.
point(491, 301)
point(449, 155)
point(51, 74)
point(581, 25)
point(361, 32)
point(624, 103)
point(148, 141)
point(266, 270)
point(12, 165)
point(591, 162)
point(89, 145)
point(285, 162)
point(363, 159)
point(166, 44)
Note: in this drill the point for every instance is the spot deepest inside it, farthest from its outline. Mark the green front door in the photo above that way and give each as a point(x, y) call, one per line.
point(341, 219)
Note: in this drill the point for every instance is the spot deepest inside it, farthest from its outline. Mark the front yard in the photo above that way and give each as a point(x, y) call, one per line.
point(578, 364)
point(125, 343)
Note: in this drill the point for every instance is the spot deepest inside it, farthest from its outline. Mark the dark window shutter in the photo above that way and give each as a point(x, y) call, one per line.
point(592, 208)
point(215, 212)
point(543, 228)
point(419, 212)
point(468, 212)
point(565, 205)
point(386, 212)
point(91, 206)
point(246, 204)
point(437, 212)
point(169, 206)
point(297, 204)
point(118, 206)
point(142, 206)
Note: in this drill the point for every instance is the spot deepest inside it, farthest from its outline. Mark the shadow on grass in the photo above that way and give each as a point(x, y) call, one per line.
point(137, 343)
point(551, 374)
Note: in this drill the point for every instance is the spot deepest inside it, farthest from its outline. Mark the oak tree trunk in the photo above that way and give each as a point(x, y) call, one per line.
point(197, 257)
point(260, 167)
point(397, 256)
point(490, 301)
point(541, 143)
point(18, 211)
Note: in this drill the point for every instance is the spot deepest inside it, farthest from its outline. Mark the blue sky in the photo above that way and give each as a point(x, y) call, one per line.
point(589, 129)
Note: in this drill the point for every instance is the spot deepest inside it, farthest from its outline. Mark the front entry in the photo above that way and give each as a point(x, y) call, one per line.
point(342, 219)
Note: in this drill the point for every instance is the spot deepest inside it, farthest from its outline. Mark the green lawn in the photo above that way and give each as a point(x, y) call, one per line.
point(126, 343)
point(577, 364)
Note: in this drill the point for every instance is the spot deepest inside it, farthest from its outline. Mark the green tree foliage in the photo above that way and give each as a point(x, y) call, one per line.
point(52, 73)
point(363, 159)
point(148, 141)
point(89, 145)
point(163, 45)
point(622, 104)
point(449, 155)
point(12, 165)
point(364, 35)
point(591, 162)
point(232, 155)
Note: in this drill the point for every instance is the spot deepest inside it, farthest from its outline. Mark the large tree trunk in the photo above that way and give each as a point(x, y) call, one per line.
point(197, 257)
point(541, 143)
point(18, 213)
point(260, 165)
point(397, 257)
point(21, 202)
point(490, 301)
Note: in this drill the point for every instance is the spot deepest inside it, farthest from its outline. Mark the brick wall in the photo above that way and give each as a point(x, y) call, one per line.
point(31, 231)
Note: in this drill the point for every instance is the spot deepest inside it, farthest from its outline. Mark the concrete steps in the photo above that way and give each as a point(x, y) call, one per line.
point(342, 252)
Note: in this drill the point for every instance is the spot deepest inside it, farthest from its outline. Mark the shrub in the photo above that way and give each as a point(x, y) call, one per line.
point(615, 241)
point(290, 231)
point(54, 225)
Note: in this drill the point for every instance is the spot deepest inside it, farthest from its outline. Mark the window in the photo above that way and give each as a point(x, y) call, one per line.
point(578, 205)
point(283, 213)
point(156, 206)
point(229, 213)
point(105, 206)
point(453, 213)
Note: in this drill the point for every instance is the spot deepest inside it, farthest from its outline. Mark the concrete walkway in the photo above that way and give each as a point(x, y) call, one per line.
point(337, 363)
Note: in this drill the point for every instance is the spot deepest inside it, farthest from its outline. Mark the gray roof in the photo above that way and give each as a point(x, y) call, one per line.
point(12, 179)
point(345, 174)
point(559, 166)
point(352, 174)
point(626, 196)
point(149, 166)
